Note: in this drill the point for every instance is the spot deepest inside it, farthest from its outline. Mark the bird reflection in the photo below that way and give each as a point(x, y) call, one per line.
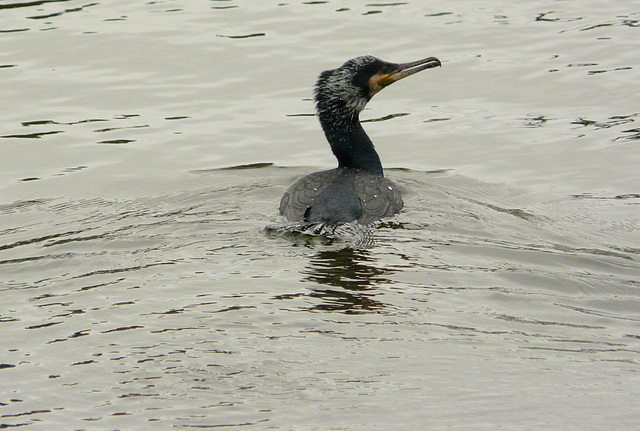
point(350, 276)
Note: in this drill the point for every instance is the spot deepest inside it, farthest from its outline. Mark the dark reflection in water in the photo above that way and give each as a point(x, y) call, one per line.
point(351, 278)
point(31, 3)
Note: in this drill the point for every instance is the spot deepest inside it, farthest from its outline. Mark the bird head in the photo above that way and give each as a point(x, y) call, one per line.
point(353, 84)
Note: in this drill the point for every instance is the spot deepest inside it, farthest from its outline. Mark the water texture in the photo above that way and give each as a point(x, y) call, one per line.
point(144, 147)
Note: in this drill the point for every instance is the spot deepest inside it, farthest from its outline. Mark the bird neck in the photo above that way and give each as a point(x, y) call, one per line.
point(349, 142)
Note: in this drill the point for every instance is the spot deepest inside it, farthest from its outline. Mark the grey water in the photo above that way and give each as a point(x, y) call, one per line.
point(144, 147)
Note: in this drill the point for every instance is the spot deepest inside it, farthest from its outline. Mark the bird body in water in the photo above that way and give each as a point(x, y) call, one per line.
point(356, 191)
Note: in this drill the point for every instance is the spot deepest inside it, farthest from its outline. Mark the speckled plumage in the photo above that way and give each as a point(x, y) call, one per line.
point(336, 93)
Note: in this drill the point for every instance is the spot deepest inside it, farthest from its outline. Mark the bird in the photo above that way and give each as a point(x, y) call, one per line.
point(357, 190)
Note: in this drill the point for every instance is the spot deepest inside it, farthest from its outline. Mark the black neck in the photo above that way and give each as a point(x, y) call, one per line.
point(349, 142)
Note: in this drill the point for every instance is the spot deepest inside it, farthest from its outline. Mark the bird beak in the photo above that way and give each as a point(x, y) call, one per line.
point(408, 69)
point(399, 71)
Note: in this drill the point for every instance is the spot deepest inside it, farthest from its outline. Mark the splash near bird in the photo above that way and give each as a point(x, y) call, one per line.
point(356, 191)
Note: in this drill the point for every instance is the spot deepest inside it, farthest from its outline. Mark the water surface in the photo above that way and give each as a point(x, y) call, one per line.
point(144, 148)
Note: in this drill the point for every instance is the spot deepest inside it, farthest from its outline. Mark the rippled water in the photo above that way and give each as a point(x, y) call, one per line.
point(144, 146)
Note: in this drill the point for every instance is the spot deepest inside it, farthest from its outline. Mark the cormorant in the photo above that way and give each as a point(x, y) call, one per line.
point(357, 189)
